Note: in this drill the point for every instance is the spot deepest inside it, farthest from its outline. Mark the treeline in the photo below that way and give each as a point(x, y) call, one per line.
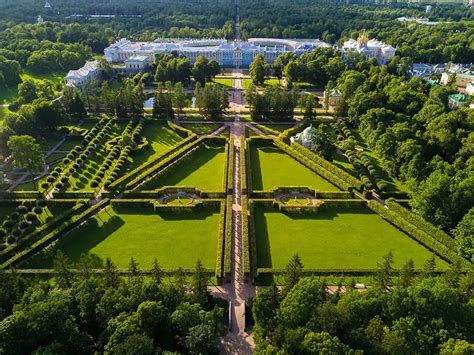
point(86, 312)
point(420, 140)
point(403, 313)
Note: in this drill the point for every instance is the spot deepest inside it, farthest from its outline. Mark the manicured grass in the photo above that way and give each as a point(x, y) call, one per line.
point(333, 238)
point(227, 82)
point(272, 168)
point(200, 128)
point(204, 170)
point(175, 240)
point(160, 137)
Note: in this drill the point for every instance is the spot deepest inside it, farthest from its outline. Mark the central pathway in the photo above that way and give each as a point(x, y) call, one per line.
point(237, 341)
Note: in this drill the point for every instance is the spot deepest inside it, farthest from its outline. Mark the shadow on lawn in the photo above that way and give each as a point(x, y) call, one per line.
point(79, 242)
point(177, 215)
point(264, 254)
point(257, 179)
point(328, 213)
point(182, 170)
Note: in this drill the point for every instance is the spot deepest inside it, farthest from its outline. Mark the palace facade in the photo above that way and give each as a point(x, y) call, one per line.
point(227, 54)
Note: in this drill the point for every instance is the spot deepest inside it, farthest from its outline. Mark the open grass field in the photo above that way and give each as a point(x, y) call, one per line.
point(204, 170)
point(175, 240)
point(272, 168)
point(268, 83)
point(160, 139)
point(333, 238)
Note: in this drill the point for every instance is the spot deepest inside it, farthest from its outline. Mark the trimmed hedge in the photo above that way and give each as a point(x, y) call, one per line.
point(341, 174)
point(419, 235)
point(422, 224)
point(243, 166)
point(229, 167)
point(312, 165)
point(54, 235)
point(180, 130)
point(220, 243)
point(27, 240)
point(139, 170)
point(74, 195)
point(228, 237)
point(330, 272)
point(4, 195)
point(246, 252)
point(252, 239)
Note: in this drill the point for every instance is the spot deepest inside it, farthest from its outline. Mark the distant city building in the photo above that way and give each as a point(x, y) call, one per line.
point(457, 100)
point(227, 54)
point(133, 65)
point(305, 138)
point(421, 70)
point(39, 20)
point(370, 48)
point(428, 9)
point(84, 76)
point(47, 6)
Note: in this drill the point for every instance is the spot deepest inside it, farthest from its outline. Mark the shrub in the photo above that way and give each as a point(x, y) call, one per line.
point(66, 161)
point(3, 233)
point(94, 183)
point(64, 179)
point(59, 185)
point(42, 203)
point(31, 217)
point(22, 209)
point(28, 204)
point(11, 239)
point(79, 161)
point(38, 210)
point(23, 224)
point(51, 179)
point(15, 216)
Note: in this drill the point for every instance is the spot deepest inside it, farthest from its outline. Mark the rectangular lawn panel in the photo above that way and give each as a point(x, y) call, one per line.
point(174, 239)
point(203, 170)
point(349, 238)
point(272, 168)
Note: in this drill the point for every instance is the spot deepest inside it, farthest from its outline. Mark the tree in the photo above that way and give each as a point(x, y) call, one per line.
point(322, 142)
point(265, 307)
point(62, 266)
point(429, 267)
point(323, 343)
point(292, 273)
point(456, 347)
point(384, 273)
point(258, 70)
point(133, 270)
point(205, 70)
point(464, 233)
point(199, 284)
point(407, 274)
point(26, 153)
point(292, 73)
point(157, 272)
point(73, 103)
point(179, 100)
point(111, 276)
point(201, 339)
point(27, 91)
point(309, 103)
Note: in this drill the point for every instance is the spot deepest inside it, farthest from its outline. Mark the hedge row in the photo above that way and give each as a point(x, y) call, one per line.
point(422, 224)
point(228, 237)
point(333, 195)
point(330, 272)
point(135, 202)
point(201, 205)
point(73, 222)
point(164, 163)
point(417, 234)
point(341, 174)
point(220, 242)
point(73, 195)
point(40, 232)
point(313, 165)
point(290, 132)
point(180, 130)
point(252, 239)
point(248, 168)
point(243, 166)
point(129, 176)
point(52, 272)
point(245, 238)
point(4, 195)
point(229, 167)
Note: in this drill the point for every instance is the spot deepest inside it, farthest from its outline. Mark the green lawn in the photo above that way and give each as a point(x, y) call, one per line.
point(268, 83)
point(201, 128)
point(272, 168)
point(175, 240)
point(160, 137)
point(204, 170)
point(227, 82)
point(334, 238)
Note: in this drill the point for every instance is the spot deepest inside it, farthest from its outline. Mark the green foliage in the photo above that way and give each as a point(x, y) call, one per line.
point(26, 153)
point(258, 70)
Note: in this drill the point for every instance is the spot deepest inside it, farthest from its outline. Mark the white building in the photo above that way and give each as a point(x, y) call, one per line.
point(305, 138)
point(470, 89)
point(39, 20)
point(84, 76)
point(227, 54)
point(370, 48)
point(334, 97)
